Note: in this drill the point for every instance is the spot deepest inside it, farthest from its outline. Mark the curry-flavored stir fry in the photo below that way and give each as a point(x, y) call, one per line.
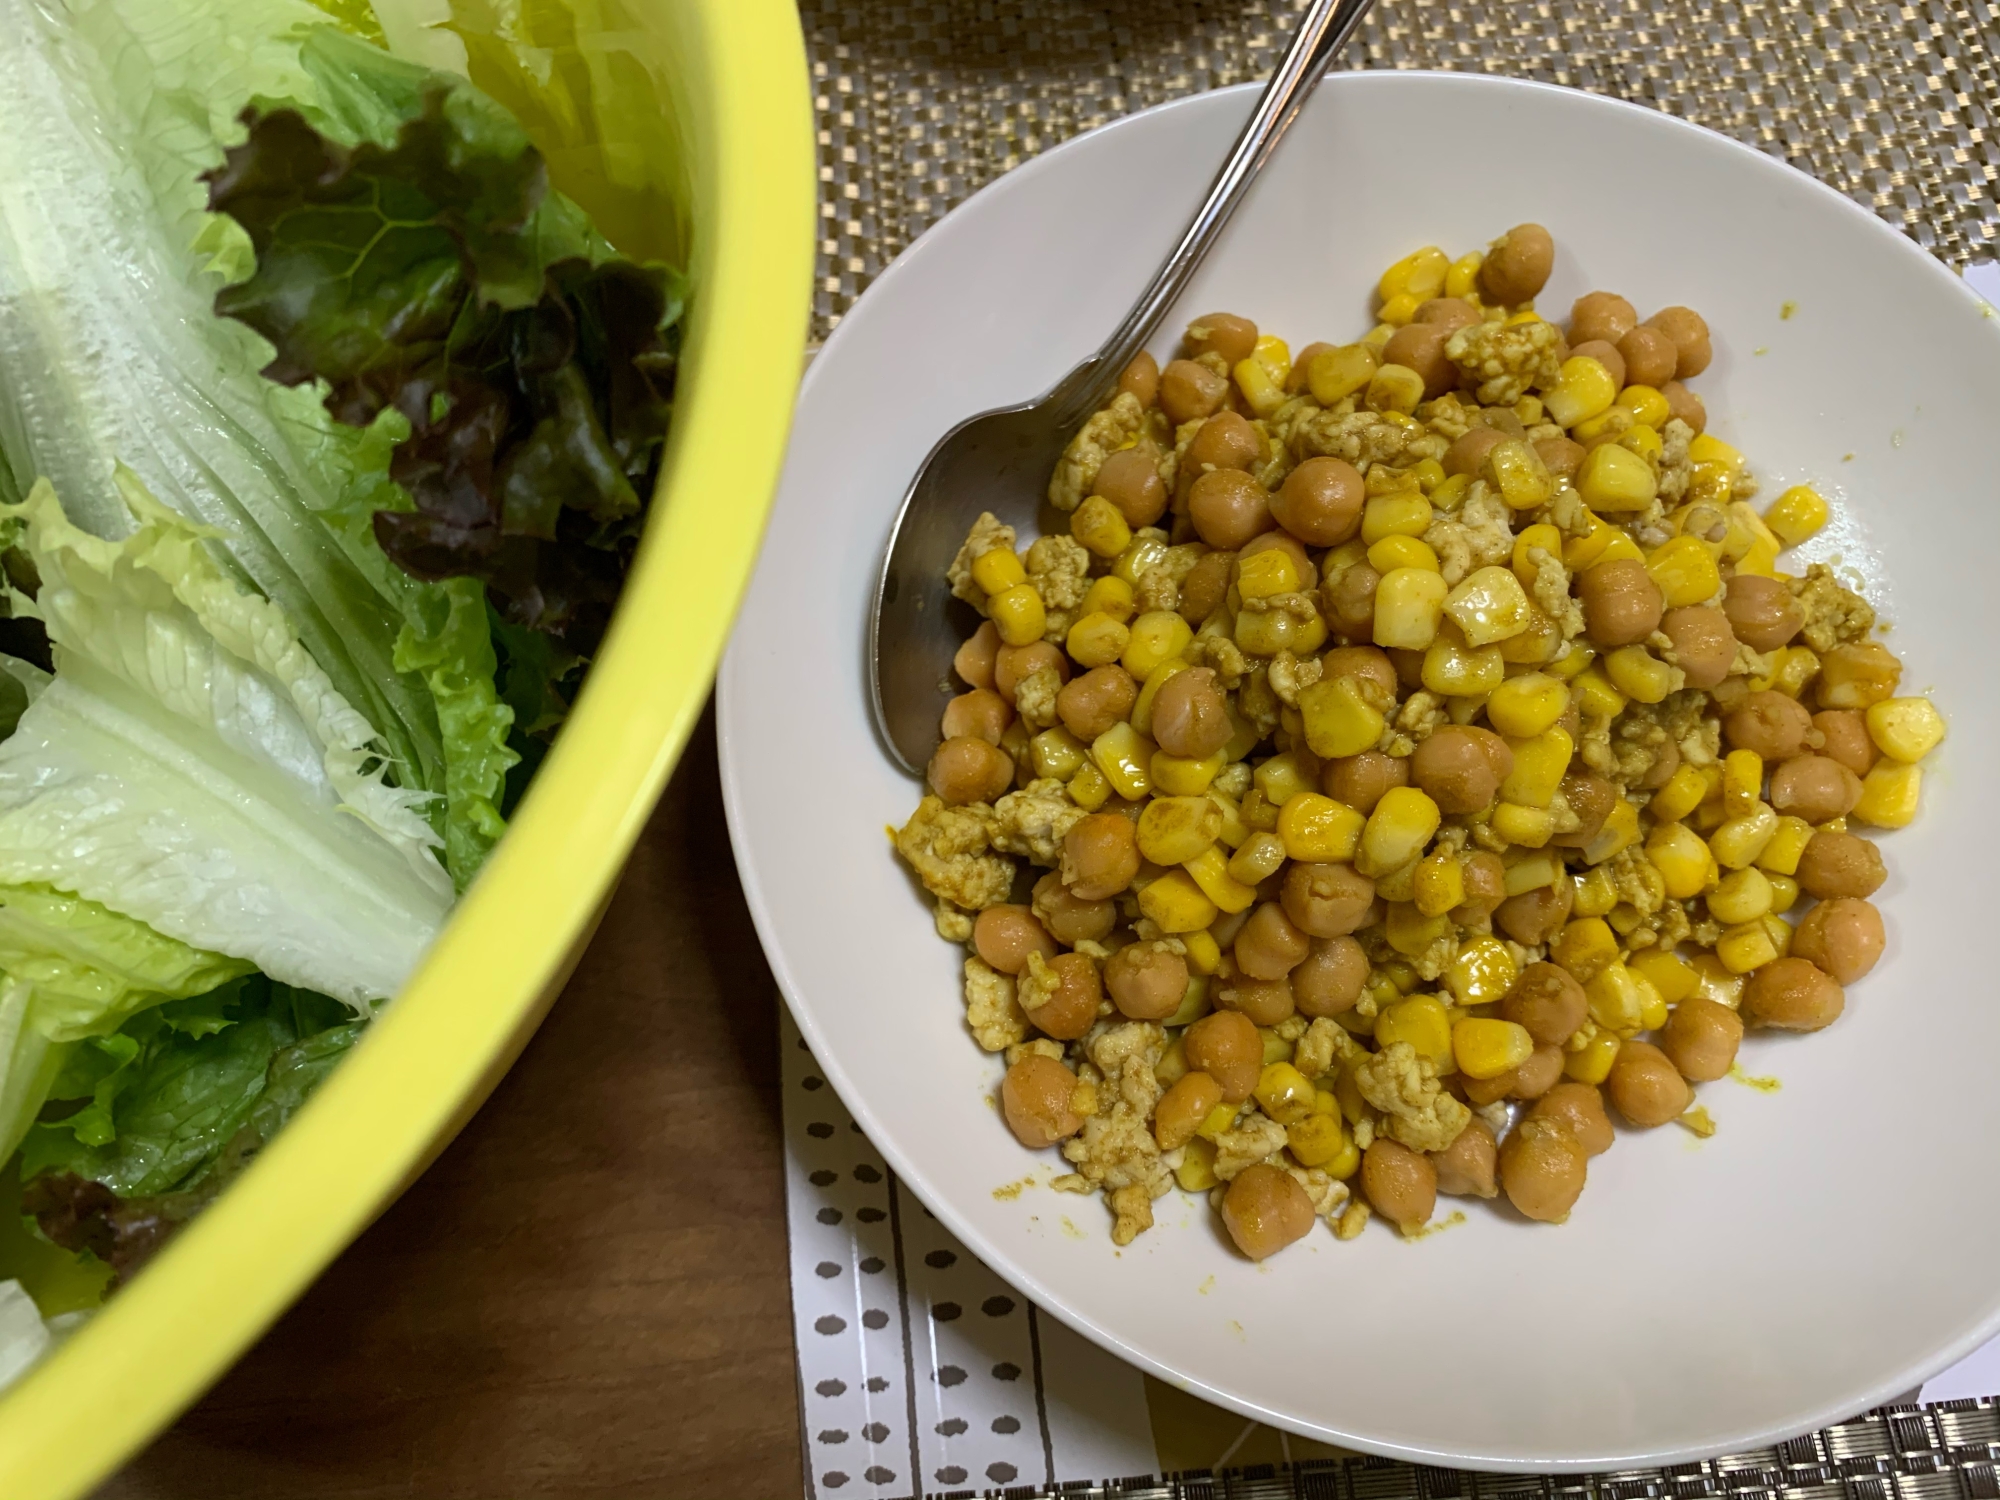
point(1413, 747)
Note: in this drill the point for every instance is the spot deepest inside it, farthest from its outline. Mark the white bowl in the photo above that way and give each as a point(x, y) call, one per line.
point(1833, 1244)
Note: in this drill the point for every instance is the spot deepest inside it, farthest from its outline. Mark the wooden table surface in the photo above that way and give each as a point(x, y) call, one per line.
point(587, 1294)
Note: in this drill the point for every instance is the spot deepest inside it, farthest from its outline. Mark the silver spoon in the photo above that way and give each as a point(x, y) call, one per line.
point(1000, 460)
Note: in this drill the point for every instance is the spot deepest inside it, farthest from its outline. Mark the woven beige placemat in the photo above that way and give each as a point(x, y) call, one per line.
point(923, 102)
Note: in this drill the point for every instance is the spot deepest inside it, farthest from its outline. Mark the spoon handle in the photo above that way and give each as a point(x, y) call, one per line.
point(1322, 31)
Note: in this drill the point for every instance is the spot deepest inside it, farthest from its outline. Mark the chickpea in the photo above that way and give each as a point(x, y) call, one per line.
point(1069, 917)
point(1420, 347)
point(1542, 1170)
point(1349, 602)
point(1485, 885)
point(974, 661)
point(1454, 768)
point(1225, 1045)
point(1265, 1210)
point(1621, 603)
point(1326, 900)
point(1263, 1002)
point(1845, 732)
point(1360, 780)
point(1650, 357)
point(1130, 480)
point(1601, 315)
point(1206, 586)
point(982, 714)
point(1329, 981)
point(1793, 994)
point(1270, 945)
point(1013, 665)
point(1645, 1087)
point(1005, 935)
point(1036, 1098)
point(1140, 378)
point(1183, 1107)
point(1100, 856)
point(1700, 1039)
point(1762, 612)
point(1189, 392)
point(1228, 508)
point(1071, 1007)
point(970, 770)
point(1467, 454)
point(1541, 1072)
point(1096, 701)
point(1689, 333)
point(1225, 441)
point(1704, 643)
point(1666, 761)
point(1369, 662)
point(1234, 338)
point(1517, 267)
point(1401, 1184)
point(1302, 366)
point(1535, 916)
point(1684, 405)
point(1591, 797)
point(1451, 313)
point(1547, 1001)
point(1465, 1168)
point(1605, 354)
point(1320, 501)
point(1561, 456)
point(1579, 1109)
point(1817, 788)
point(1843, 936)
point(1190, 715)
point(1769, 723)
point(1147, 981)
point(1840, 864)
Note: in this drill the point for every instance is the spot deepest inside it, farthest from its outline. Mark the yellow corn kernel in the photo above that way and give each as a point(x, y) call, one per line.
point(1889, 794)
point(1743, 949)
point(1531, 869)
point(1613, 423)
point(1158, 635)
point(1672, 979)
point(1429, 475)
point(1741, 896)
point(1683, 793)
point(1715, 981)
point(1760, 561)
point(1100, 526)
point(1124, 756)
point(1404, 513)
point(1640, 675)
point(1058, 754)
point(1462, 280)
point(1262, 394)
point(1420, 274)
point(1596, 893)
point(1316, 1140)
point(1489, 605)
point(1784, 892)
point(1683, 860)
point(1439, 883)
point(1336, 374)
point(1267, 632)
point(1422, 1022)
point(1178, 776)
point(1653, 1008)
point(1619, 833)
point(1394, 552)
point(1616, 479)
point(1714, 484)
point(1134, 562)
point(1409, 604)
point(1234, 829)
point(1482, 972)
point(1216, 1121)
point(1595, 696)
point(1282, 778)
point(1536, 646)
point(1318, 829)
point(1707, 448)
point(1089, 789)
point(1173, 830)
point(1177, 904)
point(1540, 536)
point(1263, 574)
point(1525, 706)
point(1685, 572)
point(1396, 313)
point(1141, 716)
point(1646, 405)
point(1338, 719)
point(1285, 1093)
point(1529, 827)
point(1742, 782)
point(1018, 615)
point(1275, 355)
point(1396, 832)
point(998, 570)
point(1525, 315)
point(1395, 388)
point(1455, 672)
point(1109, 595)
point(1592, 1062)
point(1486, 1048)
point(1780, 932)
point(1585, 947)
point(1519, 474)
point(1738, 842)
point(1905, 729)
point(1573, 662)
point(1616, 997)
point(1209, 870)
point(1450, 493)
point(1257, 858)
point(1584, 389)
point(1796, 514)
point(1539, 766)
point(1204, 957)
point(1097, 640)
point(1196, 1173)
point(1792, 667)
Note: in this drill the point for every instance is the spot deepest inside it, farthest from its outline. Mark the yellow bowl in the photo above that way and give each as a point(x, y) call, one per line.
point(741, 107)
